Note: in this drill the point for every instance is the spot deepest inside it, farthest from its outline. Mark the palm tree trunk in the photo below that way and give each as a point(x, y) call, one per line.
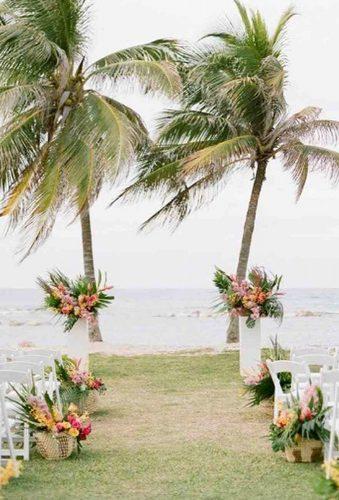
point(87, 248)
point(233, 328)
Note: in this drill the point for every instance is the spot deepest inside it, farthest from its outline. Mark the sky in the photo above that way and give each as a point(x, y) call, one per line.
point(299, 240)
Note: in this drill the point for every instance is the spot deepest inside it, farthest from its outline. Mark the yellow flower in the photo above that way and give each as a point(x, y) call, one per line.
point(56, 414)
point(72, 408)
point(12, 469)
point(73, 432)
point(332, 469)
point(66, 425)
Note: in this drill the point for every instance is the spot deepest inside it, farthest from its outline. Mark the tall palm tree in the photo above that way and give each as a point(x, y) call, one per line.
point(61, 136)
point(233, 118)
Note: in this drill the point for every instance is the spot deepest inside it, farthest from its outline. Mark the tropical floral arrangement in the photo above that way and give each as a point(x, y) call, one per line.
point(11, 470)
point(75, 299)
point(328, 485)
point(42, 415)
point(259, 384)
point(257, 297)
point(71, 376)
point(303, 418)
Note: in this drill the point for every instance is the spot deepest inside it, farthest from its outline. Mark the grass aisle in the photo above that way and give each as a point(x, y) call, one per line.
point(171, 427)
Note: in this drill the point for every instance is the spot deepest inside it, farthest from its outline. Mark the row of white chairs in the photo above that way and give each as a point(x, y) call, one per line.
point(316, 365)
point(23, 368)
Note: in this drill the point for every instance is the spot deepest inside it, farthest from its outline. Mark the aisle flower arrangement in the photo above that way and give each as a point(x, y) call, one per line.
point(257, 297)
point(75, 299)
point(300, 422)
point(57, 433)
point(259, 384)
point(11, 470)
point(77, 384)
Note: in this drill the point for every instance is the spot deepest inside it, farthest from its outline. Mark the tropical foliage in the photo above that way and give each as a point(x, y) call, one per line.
point(62, 137)
point(233, 119)
point(258, 297)
point(304, 418)
point(70, 376)
point(75, 299)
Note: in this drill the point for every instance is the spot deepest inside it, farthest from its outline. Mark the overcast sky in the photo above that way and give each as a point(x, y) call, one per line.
point(300, 240)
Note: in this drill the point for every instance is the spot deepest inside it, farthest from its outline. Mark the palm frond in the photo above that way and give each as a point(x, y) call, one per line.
point(301, 158)
point(152, 66)
point(236, 149)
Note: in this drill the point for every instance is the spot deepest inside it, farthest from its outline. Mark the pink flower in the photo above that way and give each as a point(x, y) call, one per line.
point(306, 413)
point(60, 427)
point(255, 312)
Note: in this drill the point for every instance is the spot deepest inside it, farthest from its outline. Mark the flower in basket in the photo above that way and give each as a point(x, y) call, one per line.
point(43, 415)
point(75, 299)
point(11, 470)
point(259, 385)
point(70, 374)
point(301, 419)
point(257, 297)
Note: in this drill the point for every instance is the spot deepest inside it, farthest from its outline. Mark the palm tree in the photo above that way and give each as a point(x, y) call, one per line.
point(233, 118)
point(61, 136)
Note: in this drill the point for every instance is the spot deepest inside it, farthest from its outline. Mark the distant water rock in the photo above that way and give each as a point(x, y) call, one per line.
point(14, 322)
point(307, 314)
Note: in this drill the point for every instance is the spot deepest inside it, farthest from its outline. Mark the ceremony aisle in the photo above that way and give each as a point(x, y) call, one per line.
point(171, 426)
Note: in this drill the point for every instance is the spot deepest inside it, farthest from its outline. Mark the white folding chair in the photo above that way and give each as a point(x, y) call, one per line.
point(332, 424)
point(12, 378)
point(300, 351)
point(43, 352)
point(52, 384)
point(322, 361)
point(37, 371)
point(328, 381)
point(300, 374)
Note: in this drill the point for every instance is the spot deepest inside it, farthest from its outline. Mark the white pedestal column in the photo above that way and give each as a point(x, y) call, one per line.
point(77, 343)
point(250, 344)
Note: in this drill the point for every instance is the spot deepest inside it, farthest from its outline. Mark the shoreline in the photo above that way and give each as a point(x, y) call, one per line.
point(105, 348)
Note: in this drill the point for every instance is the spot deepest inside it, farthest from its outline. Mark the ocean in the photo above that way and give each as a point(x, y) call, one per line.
point(173, 319)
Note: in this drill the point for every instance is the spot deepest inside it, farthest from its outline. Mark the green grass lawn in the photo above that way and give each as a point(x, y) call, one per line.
point(171, 427)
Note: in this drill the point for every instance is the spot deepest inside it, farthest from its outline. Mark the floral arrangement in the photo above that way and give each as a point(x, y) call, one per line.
point(257, 297)
point(70, 375)
point(76, 299)
point(328, 485)
point(42, 415)
point(11, 470)
point(259, 384)
point(302, 419)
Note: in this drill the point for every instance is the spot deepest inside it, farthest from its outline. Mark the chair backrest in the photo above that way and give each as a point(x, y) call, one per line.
point(296, 369)
point(328, 381)
point(35, 368)
point(322, 360)
point(299, 351)
point(37, 358)
point(43, 352)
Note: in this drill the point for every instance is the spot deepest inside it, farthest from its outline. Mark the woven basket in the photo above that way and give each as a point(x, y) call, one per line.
point(89, 403)
point(308, 450)
point(54, 446)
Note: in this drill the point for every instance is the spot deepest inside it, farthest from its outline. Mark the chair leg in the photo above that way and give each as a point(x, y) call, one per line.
point(26, 442)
